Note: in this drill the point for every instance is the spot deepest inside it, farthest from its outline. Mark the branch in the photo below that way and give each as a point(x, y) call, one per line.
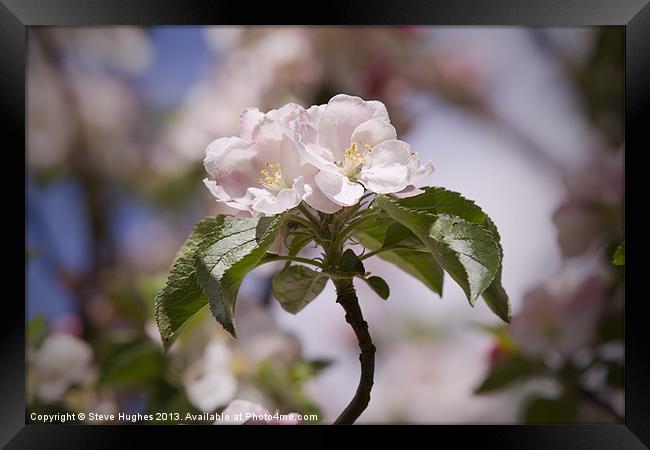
point(273, 258)
point(347, 298)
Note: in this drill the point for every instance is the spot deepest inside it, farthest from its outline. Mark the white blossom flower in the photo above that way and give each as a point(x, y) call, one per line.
point(260, 172)
point(357, 147)
point(61, 362)
point(209, 382)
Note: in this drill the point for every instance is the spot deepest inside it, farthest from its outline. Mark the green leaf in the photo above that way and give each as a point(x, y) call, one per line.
point(417, 262)
point(350, 264)
point(396, 233)
point(505, 372)
point(437, 200)
point(465, 250)
point(619, 255)
point(295, 286)
point(182, 297)
point(378, 285)
point(548, 410)
point(226, 255)
point(443, 201)
point(495, 295)
point(298, 242)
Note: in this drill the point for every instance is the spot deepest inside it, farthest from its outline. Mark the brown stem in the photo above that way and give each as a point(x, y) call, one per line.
point(347, 298)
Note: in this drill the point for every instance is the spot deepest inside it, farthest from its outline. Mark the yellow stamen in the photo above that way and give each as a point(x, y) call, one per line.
point(353, 158)
point(272, 178)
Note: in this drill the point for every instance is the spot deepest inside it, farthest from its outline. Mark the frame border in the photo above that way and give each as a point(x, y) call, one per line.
point(634, 15)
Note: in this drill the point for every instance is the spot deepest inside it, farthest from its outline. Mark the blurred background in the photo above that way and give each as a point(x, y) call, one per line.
point(526, 122)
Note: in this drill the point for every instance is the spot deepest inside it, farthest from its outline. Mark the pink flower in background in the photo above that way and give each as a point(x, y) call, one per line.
point(593, 206)
point(357, 148)
point(561, 316)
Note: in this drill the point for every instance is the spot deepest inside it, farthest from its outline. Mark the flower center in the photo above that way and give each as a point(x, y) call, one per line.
point(272, 178)
point(353, 159)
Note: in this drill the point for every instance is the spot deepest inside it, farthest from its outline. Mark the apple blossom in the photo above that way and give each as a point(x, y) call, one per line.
point(260, 172)
point(358, 148)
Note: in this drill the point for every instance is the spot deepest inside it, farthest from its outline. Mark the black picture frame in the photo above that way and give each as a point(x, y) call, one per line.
point(633, 15)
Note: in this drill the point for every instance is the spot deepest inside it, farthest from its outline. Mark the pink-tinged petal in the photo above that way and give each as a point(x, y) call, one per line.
point(309, 128)
point(270, 204)
point(373, 132)
point(232, 163)
point(226, 205)
point(299, 120)
point(313, 195)
point(408, 191)
point(385, 180)
point(378, 109)
point(343, 114)
point(299, 186)
point(419, 172)
point(339, 188)
point(422, 172)
point(248, 120)
point(288, 113)
point(314, 113)
point(386, 168)
point(277, 145)
point(317, 156)
point(216, 190)
point(389, 153)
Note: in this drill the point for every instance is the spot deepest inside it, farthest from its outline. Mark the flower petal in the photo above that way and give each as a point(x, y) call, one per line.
point(338, 188)
point(343, 114)
point(248, 120)
point(313, 195)
point(373, 132)
point(231, 162)
point(277, 145)
point(419, 172)
point(270, 204)
point(317, 156)
point(227, 205)
point(408, 191)
point(386, 169)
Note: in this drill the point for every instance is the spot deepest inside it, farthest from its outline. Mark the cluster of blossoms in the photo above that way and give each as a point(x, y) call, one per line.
point(326, 155)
